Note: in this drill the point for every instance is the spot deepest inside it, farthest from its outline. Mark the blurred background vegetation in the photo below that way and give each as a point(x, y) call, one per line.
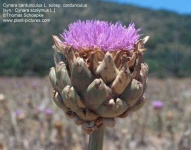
point(25, 48)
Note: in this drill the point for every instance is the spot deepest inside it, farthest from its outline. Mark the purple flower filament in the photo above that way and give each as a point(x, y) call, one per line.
point(157, 104)
point(105, 36)
point(48, 111)
point(18, 113)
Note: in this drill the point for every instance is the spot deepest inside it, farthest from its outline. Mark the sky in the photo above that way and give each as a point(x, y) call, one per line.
point(178, 6)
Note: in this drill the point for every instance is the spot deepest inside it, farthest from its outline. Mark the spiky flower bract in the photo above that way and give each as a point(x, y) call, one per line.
point(91, 34)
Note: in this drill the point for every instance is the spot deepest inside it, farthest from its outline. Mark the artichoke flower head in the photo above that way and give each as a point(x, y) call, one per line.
point(99, 72)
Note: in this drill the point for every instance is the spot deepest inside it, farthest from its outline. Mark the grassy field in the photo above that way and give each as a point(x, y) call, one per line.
point(29, 120)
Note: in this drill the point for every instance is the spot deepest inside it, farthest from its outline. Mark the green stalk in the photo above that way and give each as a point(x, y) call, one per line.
point(96, 139)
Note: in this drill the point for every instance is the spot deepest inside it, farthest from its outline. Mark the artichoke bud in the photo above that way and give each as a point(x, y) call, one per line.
point(121, 81)
point(59, 102)
point(70, 97)
point(62, 76)
point(133, 92)
point(93, 86)
point(52, 77)
point(81, 76)
point(112, 108)
point(96, 94)
point(107, 69)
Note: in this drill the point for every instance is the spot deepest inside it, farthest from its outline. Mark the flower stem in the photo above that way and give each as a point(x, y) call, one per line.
point(96, 139)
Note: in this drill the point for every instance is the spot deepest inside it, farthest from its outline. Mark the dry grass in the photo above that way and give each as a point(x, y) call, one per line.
point(32, 128)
